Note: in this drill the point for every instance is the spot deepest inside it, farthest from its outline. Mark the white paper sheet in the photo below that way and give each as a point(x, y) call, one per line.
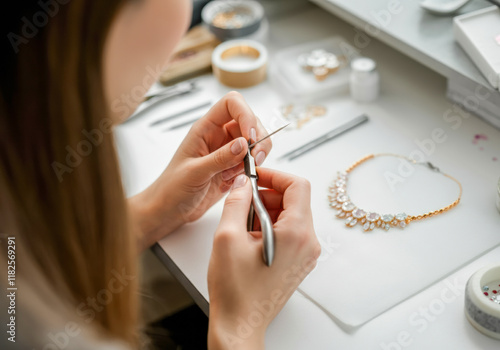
point(360, 275)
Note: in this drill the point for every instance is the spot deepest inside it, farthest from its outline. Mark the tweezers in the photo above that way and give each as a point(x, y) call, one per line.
point(257, 207)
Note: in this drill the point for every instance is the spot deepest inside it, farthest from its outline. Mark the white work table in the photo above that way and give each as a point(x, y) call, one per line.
point(412, 102)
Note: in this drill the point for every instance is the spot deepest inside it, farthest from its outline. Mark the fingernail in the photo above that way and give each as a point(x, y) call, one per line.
point(261, 156)
point(236, 147)
point(226, 175)
point(239, 181)
point(253, 135)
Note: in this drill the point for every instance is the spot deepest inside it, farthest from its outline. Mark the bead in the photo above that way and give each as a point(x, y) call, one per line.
point(358, 213)
point(372, 217)
point(348, 206)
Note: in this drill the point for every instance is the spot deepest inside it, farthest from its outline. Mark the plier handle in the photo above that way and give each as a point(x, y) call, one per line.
point(257, 207)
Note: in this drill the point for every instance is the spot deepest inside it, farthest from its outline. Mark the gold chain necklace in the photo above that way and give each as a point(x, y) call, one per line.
point(353, 215)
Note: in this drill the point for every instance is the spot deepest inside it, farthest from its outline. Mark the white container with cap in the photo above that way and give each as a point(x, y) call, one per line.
point(364, 80)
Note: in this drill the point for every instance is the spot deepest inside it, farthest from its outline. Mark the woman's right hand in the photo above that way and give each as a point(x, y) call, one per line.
point(245, 294)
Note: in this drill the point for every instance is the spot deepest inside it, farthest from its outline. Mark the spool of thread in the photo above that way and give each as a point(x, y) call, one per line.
point(240, 63)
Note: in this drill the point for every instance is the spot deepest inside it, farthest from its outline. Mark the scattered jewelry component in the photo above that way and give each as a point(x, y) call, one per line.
point(301, 114)
point(492, 293)
point(321, 63)
point(232, 19)
point(353, 215)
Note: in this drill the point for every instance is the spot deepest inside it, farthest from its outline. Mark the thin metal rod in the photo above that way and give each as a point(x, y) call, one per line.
point(173, 92)
point(186, 123)
point(181, 113)
point(267, 136)
point(324, 138)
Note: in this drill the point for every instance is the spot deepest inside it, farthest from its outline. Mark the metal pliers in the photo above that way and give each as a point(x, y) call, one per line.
point(258, 207)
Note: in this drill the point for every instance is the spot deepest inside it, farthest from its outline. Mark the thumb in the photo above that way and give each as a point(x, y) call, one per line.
point(237, 206)
point(226, 157)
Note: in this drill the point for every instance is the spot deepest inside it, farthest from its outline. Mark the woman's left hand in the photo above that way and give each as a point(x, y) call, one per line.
point(202, 169)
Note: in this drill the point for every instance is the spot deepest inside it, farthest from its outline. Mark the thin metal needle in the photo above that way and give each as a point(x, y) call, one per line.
point(267, 136)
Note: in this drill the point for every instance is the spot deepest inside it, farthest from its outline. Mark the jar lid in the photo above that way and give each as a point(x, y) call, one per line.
point(363, 65)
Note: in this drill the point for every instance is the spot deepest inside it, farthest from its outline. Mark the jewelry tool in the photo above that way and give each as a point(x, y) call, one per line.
point(163, 95)
point(251, 146)
point(181, 113)
point(180, 125)
point(324, 138)
point(171, 91)
point(257, 207)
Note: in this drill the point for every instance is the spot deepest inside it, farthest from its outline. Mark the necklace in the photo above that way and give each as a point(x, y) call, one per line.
point(353, 215)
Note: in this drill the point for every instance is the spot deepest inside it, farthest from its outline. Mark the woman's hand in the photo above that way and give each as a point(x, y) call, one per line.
point(245, 294)
point(202, 169)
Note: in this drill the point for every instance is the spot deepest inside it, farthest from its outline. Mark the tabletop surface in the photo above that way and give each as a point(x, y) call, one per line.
point(431, 319)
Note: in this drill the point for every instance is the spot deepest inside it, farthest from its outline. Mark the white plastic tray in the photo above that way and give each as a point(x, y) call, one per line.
point(479, 35)
point(299, 85)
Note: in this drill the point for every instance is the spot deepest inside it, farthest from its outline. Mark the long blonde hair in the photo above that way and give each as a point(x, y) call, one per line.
point(60, 191)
